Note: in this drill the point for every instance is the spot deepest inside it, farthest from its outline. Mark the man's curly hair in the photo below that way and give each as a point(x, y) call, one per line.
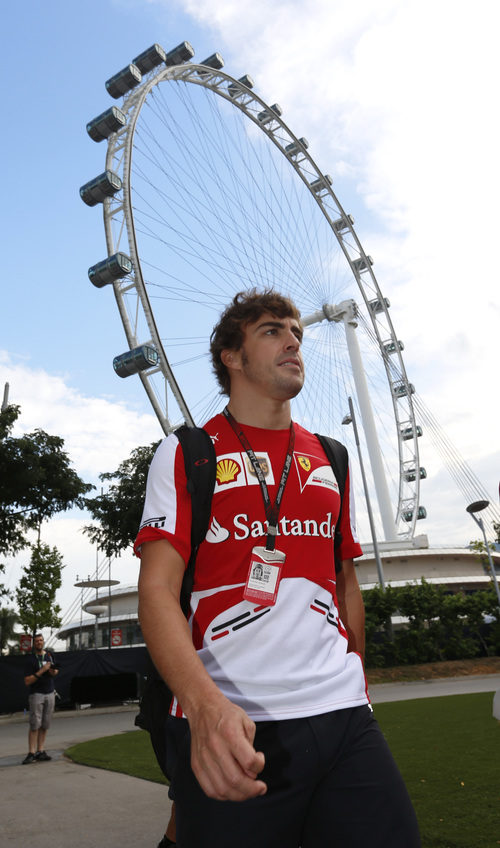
point(245, 308)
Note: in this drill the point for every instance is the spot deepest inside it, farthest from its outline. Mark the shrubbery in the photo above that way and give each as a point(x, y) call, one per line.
point(440, 626)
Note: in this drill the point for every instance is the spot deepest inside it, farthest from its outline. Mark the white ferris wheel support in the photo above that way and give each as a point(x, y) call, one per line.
point(346, 312)
point(134, 304)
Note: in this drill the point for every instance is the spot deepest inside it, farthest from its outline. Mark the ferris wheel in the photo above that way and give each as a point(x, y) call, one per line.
point(206, 191)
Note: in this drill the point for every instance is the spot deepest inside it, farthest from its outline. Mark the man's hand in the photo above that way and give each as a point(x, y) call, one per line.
point(45, 667)
point(222, 754)
point(223, 758)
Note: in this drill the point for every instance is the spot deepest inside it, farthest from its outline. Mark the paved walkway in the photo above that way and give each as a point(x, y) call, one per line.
point(63, 805)
point(384, 692)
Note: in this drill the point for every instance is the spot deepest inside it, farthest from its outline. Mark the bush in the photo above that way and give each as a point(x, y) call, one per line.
point(440, 625)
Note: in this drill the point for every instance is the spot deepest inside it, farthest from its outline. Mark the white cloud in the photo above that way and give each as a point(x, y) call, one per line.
point(98, 432)
point(80, 560)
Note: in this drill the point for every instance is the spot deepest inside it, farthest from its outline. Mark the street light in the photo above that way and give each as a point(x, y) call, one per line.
point(351, 419)
point(95, 583)
point(478, 506)
point(97, 610)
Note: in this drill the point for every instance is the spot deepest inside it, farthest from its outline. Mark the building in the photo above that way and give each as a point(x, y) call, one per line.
point(456, 569)
point(107, 620)
point(111, 619)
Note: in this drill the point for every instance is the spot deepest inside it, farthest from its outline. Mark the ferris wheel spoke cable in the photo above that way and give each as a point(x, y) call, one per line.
point(286, 217)
point(230, 195)
point(320, 253)
point(204, 250)
point(200, 269)
point(243, 184)
point(202, 247)
point(459, 469)
point(181, 233)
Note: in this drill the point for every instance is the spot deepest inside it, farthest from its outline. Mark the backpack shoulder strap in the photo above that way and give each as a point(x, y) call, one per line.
point(338, 458)
point(200, 465)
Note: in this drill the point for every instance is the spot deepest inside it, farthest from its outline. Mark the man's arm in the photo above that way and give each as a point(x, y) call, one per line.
point(30, 678)
point(36, 675)
point(222, 754)
point(351, 607)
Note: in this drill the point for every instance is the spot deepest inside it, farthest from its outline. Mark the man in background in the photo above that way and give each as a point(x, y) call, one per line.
point(39, 673)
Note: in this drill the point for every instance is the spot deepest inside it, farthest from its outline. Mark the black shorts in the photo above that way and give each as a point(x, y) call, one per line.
point(332, 783)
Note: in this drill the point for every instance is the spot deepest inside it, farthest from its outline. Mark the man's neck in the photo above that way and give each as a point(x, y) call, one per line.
point(266, 413)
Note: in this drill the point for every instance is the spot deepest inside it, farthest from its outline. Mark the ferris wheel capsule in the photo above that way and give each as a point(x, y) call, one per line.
point(295, 147)
point(133, 361)
point(123, 81)
point(97, 190)
point(180, 54)
point(214, 61)
point(107, 122)
point(112, 268)
point(150, 58)
point(235, 90)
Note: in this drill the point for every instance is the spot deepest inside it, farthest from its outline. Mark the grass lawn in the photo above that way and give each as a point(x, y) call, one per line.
point(448, 750)
point(130, 753)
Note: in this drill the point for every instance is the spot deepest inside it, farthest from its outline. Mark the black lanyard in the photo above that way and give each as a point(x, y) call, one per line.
point(272, 510)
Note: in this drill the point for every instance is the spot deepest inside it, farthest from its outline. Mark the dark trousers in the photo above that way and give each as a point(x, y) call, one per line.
point(332, 783)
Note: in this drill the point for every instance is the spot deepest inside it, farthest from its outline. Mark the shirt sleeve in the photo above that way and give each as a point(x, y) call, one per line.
point(349, 546)
point(167, 507)
point(29, 665)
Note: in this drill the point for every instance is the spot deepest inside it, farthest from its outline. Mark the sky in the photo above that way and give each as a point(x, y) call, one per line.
point(397, 100)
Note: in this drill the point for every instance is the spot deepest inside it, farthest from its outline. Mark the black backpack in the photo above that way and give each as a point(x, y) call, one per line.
point(200, 464)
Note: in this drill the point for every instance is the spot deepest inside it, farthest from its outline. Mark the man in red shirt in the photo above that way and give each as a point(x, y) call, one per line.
point(270, 702)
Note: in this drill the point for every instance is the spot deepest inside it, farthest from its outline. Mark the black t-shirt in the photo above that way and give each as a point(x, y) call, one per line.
point(45, 684)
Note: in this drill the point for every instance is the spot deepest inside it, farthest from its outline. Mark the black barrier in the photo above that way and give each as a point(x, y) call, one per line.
point(104, 688)
point(97, 677)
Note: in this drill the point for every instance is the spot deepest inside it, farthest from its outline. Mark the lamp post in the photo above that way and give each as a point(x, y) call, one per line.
point(97, 610)
point(98, 603)
point(351, 419)
point(478, 506)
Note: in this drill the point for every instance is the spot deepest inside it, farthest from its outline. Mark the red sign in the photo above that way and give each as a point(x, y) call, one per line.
point(116, 636)
point(25, 643)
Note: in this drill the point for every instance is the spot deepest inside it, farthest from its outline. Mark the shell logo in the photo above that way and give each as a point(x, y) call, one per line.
point(304, 463)
point(227, 471)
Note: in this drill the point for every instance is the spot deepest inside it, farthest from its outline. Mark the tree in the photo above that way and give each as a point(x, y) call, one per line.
point(4, 593)
point(119, 511)
point(479, 547)
point(37, 589)
point(8, 620)
point(496, 528)
point(36, 482)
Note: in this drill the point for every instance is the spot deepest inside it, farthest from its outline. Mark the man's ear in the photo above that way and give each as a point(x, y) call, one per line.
point(231, 359)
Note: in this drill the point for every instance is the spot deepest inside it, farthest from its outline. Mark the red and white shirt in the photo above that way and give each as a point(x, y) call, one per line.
point(276, 662)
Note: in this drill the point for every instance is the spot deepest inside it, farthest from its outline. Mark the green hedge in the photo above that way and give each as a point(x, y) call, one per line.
point(440, 626)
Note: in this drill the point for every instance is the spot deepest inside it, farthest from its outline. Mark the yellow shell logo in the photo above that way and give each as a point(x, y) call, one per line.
point(304, 463)
point(227, 471)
